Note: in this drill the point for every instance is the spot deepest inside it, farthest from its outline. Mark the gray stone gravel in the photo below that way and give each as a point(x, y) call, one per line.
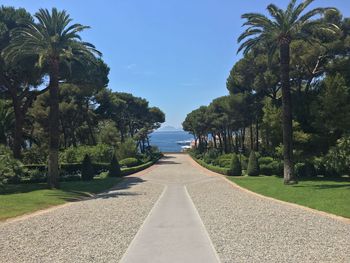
point(97, 230)
point(246, 228)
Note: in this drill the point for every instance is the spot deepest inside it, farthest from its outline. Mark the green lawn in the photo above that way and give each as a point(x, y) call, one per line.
point(332, 196)
point(20, 199)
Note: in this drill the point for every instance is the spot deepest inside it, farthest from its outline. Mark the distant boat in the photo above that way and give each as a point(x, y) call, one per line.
point(185, 148)
point(184, 143)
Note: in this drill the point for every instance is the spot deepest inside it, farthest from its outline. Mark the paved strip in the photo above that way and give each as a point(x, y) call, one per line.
point(172, 233)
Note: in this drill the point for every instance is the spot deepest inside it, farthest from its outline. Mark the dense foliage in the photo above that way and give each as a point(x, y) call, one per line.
point(55, 104)
point(252, 117)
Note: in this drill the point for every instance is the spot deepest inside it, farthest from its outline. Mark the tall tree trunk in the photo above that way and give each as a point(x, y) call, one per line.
point(287, 115)
point(257, 134)
point(214, 140)
point(251, 137)
point(243, 139)
point(18, 135)
point(53, 172)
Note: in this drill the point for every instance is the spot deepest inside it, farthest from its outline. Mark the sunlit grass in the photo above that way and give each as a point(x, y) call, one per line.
point(331, 196)
point(20, 199)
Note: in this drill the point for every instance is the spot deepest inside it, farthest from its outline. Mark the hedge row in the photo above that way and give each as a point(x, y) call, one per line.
point(71, 171)
point(135, 169)
point(216, 169)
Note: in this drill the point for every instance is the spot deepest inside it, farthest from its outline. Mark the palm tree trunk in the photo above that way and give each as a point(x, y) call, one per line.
point(53, 172)
point(287, 115)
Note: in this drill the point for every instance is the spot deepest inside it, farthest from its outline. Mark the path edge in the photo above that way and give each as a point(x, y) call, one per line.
point(233, 184)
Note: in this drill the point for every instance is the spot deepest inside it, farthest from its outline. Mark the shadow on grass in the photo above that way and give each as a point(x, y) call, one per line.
point(324, 186)
point(22, 188)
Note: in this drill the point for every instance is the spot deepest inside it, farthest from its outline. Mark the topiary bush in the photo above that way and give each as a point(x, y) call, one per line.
point(253, 165)
point(129, 162)
point(114, 168)
point(87, 170)
point(235, 167)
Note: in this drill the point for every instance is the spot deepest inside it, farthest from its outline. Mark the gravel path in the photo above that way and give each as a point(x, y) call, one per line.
point(247, 228)
point(241, 226)
point(98, 230)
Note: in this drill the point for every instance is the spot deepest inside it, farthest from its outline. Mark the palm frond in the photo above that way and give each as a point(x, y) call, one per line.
point(301, 7)
point(276, 13)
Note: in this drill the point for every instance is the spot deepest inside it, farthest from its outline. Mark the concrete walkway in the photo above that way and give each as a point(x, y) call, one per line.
point(173, 232)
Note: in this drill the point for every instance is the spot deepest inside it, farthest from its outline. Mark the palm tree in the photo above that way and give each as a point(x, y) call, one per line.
point(278, 32)
point(56, 43)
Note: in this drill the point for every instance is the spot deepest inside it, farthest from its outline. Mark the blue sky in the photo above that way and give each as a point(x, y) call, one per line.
point(175, 53)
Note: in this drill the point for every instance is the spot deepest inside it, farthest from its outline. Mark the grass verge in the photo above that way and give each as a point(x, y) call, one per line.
point(16, 200)
point(330, 196)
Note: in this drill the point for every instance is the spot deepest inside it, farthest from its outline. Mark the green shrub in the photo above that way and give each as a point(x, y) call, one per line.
point(100, 167)
point(35, 154)
point(87, 170)
point(269, 166)
point(129, 162)
point(253, 165)
point(135, 169)
point(223, 160)
point(211, 155)
point(338, 158)
point(127, 149)
point(244, 162)
point(114, 168)
point(11, 170)
point(152, 153)
point(235, 168)
point(216, 169)
point(305, 169)
point(226, 163)
point(98, 153)
point(35, 176)
point(196, 153)
point(265, 160)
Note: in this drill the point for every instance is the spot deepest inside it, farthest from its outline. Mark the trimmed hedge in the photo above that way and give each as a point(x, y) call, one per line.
point(37, 173)
point(216, 169)
point(135, 169)
point(129, 162)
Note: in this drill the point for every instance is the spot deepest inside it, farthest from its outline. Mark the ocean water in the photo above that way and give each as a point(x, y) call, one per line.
point(167, 140)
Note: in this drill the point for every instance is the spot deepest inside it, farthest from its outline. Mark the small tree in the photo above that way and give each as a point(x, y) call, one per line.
point(235, 167)
point(253, 165)
point(114, 168)
point(87, 170)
